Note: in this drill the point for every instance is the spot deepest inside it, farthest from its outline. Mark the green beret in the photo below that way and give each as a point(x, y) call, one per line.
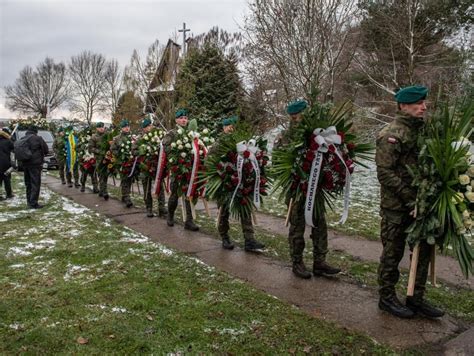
point(124, 123)
point(99, 124)
point(296, 107)
point(181, 112)
point(410, 95)
point(146, 122)
point(232, 120)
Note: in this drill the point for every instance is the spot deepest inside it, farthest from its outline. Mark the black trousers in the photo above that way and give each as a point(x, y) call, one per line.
point(33, 183)
point(7, 182)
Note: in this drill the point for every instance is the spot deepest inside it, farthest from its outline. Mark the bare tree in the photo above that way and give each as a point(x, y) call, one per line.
point(294, 45)
point(37, 90)
point(113, 88)
point(88, 81)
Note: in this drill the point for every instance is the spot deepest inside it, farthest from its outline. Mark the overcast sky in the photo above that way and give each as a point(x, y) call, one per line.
point(30, 30)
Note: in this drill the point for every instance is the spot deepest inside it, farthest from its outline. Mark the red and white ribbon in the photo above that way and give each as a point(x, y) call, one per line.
point(160, 169)
point(252, 148)
point(196, 163)
point(325, 138)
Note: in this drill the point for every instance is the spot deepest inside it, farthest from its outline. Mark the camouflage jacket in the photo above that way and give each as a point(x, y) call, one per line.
point(284, 138)
point(59, 148)
point(397, 148)
point(95, 144)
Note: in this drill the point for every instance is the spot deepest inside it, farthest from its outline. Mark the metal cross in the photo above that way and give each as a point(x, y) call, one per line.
point(184, 30)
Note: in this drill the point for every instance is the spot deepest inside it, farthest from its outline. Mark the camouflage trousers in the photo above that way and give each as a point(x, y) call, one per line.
point(85, 174)
point(173, 203)
point(103, 183)
point(223, 224)
point(393, 236)
point(125, 188)
point(147, 183)
point(62, 170)
point(74, 174)
point(319, 235)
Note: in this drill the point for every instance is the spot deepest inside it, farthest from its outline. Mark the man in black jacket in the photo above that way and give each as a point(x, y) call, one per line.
point(6, 147)
point(32, 167)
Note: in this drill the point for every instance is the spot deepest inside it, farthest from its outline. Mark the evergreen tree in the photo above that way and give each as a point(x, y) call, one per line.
point(208, 85)
point(129, 107)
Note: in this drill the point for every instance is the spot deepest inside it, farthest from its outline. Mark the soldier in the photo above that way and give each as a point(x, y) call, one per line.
point(96, 149)
point(396, 149)
point(123, 138)
point(72, 166)
point(251, 244)
point(319, 234)
point(84, 157)
point(59, 147)
point(147, 180)
point(181, 119)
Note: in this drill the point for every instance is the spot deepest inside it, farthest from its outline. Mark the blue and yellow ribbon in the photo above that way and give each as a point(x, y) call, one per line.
point(71, 151)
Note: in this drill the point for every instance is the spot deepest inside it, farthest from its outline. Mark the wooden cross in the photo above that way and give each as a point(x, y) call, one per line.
point(184, 30)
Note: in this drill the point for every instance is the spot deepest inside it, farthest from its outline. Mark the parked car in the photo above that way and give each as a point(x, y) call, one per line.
point(48, 137)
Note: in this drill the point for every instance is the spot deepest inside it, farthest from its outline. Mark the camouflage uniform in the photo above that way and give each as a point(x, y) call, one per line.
point(59, 147)
point(173, 199)
point(84, 172)
point(125, 182)
point(396, 148)
point(95, 149)
point(319, 234)
point(147, 183)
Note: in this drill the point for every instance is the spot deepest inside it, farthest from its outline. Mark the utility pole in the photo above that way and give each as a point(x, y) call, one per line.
point(184, 30)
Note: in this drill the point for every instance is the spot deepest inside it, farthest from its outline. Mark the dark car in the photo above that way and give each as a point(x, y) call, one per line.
point(50, 158)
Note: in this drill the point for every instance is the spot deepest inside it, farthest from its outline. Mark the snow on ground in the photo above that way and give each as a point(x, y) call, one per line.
point(72, 207)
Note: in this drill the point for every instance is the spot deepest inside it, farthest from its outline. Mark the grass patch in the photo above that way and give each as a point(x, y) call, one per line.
point(457, 301)
point(73, 281)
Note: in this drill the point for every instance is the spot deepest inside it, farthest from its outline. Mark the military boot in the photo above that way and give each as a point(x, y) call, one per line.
point(252, 245)
point(128, 203)
point(190, 225)
point(395, 307)
point(162, 212)
point(170, 219)
point(106, 196)
point(422, 307)
point(227, 244)
point(320, 268)
point(95, 190)
point(83, 188)
point(299, 269)
point(149, 213)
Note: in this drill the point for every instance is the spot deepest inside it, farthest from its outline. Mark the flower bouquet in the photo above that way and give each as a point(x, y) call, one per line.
point(147, 150)
point(444, 177)
point(318, 163)
point(86, 159)
point(124, 156)
point(235, 172)
point(186, 159)
point(108, 163)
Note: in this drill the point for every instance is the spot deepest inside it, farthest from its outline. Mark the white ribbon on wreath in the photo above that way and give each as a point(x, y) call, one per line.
point(325, 138)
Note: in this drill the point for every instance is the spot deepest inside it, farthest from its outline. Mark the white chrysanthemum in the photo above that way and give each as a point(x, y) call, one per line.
point(191, 133)
point(205, 139)
point(464, 179)
point(180, 131)
point(212, 140)
point(183, 154)
point(122, 145)
point(171, 160)
point(187, 145)
point(173, 144)
point(185, 139)
point(201, 152)
point(180, 147)
point(470, 196)
point(197, 135)
point(470, 171)
point(179, 142)
point(205, 131)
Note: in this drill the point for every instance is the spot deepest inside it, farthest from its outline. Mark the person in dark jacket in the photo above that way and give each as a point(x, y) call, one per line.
point(6, 147)
point(32, 167)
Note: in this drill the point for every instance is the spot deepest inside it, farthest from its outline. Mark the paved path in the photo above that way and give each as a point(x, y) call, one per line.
point(345, 304)
point(447, 268)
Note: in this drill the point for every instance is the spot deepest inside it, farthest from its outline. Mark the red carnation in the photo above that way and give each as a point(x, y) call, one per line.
point(332, 148)
point(174, 169)
point(243, 201)
point(180, 161)
point(314, 146)
point(184, 189)
point(310, 156)
point(246, 154)
point(229, 169)
point(263, 180)
point(219, 166)
point(264, 162)
point(306, 167)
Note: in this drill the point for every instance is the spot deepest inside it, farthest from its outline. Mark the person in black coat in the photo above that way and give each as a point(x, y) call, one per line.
point(6, 147)
point(32, 167)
